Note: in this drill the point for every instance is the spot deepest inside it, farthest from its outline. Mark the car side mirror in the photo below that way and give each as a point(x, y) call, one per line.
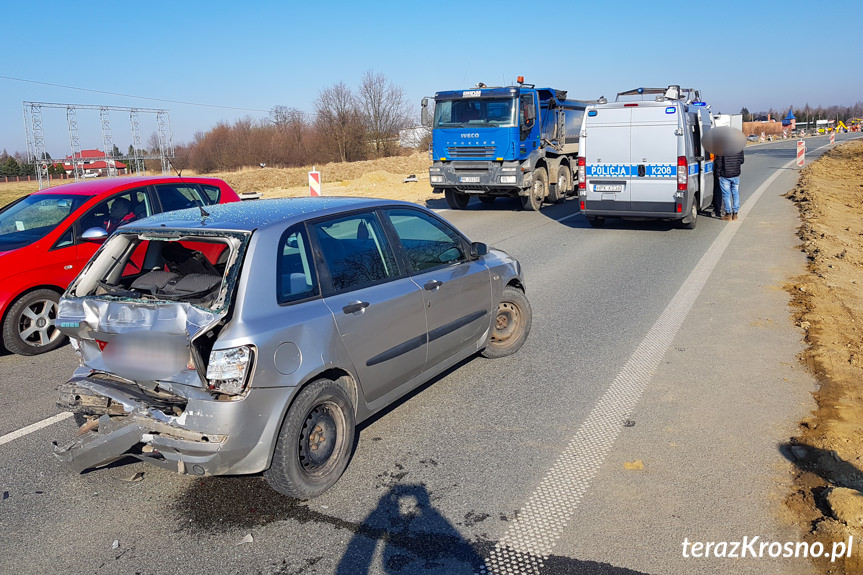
point(95, 235)
point(478, 249)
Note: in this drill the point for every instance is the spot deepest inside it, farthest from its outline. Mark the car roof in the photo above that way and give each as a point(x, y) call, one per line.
point(100, 185)
point(251, 215)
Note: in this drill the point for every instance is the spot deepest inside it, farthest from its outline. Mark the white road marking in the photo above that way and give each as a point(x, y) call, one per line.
point(34, 427)
point(539, 524)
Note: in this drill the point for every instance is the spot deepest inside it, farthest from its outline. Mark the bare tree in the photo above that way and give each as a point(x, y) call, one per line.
point(339, 123)
point(384, 110)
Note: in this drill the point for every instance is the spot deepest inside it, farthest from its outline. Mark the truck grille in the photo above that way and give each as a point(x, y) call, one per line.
point(470, 151)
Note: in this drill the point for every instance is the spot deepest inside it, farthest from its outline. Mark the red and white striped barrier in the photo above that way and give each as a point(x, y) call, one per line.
point(314, 182)
point(801, 152)
point(832, 138)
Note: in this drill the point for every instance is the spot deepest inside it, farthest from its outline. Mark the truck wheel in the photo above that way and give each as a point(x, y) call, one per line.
point(596, 222)
point(511, 324)
point(487, 199)
point(456, 200)
point(533, 201)
point(29, 328)
point(557, 193)
point(689, 223)
point(315, 442)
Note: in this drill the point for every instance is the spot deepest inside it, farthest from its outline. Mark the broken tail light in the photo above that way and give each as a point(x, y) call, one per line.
point(228, 370)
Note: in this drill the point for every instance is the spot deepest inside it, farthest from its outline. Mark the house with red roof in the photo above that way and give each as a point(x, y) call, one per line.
point(95, 163)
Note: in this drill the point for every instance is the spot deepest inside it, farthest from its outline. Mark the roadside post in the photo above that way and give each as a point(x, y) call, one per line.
point(832, 138)
point(801, 152)
point(314, 182)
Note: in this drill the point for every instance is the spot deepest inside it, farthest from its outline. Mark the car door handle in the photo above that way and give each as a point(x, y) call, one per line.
point(355, 306)
point(432, 285)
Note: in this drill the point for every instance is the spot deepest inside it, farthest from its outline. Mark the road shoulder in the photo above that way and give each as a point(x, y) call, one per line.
point(701, 459)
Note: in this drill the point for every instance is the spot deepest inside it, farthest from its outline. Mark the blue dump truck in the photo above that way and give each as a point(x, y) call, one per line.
point(510, 141)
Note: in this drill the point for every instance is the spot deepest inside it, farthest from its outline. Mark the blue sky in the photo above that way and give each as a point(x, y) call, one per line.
point(255, 55)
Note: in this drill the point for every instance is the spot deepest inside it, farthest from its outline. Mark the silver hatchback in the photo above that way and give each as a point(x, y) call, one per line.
point(253, 337)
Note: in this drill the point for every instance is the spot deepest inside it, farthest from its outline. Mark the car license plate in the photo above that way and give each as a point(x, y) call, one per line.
point(608, 187)
point(469, 179)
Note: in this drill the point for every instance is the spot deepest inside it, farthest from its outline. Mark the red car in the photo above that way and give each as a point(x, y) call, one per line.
point(41, 249)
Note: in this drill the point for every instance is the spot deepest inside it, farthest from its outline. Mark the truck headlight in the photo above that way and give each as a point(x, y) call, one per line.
point(507, 179)
point(228, 370)
point(436, 179)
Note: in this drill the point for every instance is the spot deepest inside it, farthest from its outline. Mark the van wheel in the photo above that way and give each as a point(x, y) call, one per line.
point(314, 445)
point(595, 222)
point(29, 327)
point(533, 201)
point(689, 223)
point(511, 324)
point(557, 193)
point(456, 200)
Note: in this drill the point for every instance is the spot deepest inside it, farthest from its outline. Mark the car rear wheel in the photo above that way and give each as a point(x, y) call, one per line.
point(456, 200)
point(533, 201)
point(511, 324)
point(29, 328)
point(314, 445)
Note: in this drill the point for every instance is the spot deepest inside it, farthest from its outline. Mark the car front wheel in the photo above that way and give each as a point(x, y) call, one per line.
point(511, 324)
point(29, 327)
point(315, 442)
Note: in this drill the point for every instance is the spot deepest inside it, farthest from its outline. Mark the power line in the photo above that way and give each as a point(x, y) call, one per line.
point(131, 96)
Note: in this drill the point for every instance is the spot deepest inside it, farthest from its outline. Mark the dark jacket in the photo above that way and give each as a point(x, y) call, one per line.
point(728, 166)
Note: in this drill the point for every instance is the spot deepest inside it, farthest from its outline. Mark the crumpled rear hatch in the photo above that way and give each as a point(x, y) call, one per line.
point(150, 304)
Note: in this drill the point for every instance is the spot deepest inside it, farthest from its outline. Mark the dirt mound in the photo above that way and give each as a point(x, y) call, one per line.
point(383, 178)
point(829, 306)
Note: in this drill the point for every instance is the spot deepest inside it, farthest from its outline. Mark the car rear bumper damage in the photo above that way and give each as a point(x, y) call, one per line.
point(182, 435)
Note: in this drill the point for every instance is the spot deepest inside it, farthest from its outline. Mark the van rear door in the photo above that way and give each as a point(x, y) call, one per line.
point(654, 158)
point(607, 158)
point(706, 178)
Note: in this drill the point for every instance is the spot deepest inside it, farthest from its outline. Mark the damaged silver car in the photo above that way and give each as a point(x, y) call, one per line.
point(254, 337)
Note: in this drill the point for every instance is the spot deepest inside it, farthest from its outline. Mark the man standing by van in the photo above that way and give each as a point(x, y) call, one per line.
point(728, 168)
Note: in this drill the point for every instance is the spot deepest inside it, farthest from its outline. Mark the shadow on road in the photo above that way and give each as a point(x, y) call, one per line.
point(825, 464)
point(406, 534)
point(403, 534)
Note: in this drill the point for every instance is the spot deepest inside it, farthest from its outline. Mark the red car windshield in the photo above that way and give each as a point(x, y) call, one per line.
point(32, 218)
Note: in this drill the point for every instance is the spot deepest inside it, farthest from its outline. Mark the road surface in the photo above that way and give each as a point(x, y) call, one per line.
point(649, 408)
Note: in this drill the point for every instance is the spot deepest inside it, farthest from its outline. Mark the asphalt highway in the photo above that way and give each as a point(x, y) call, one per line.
point(649, 406)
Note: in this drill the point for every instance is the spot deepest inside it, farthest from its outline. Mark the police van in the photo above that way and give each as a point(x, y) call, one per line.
point(641, 157)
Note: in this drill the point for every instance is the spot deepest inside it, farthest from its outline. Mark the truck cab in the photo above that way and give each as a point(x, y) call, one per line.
point(642, 157)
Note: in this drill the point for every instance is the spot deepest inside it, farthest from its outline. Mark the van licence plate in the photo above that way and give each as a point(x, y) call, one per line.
point(469, 179)
point(608, 187)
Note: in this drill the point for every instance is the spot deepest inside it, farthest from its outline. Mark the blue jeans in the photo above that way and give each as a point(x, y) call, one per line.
point(729, 187)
